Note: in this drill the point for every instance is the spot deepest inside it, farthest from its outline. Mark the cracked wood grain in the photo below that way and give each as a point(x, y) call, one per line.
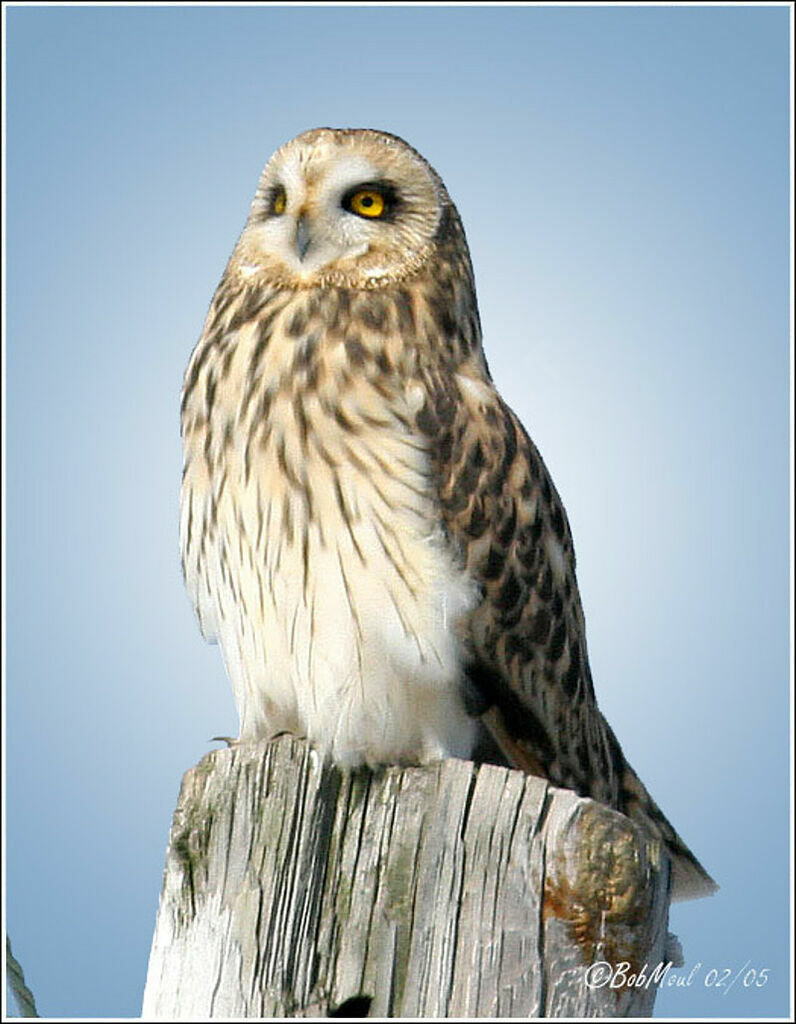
point(293, 888)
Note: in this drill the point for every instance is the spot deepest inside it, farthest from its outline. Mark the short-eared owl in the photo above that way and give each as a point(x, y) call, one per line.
point(366, 527)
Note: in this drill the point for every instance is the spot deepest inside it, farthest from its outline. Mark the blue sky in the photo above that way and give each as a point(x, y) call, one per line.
point(623, 178)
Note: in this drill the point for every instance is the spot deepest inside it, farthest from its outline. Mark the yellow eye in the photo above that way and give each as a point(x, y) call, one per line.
point(367, 203)
point(279, 202)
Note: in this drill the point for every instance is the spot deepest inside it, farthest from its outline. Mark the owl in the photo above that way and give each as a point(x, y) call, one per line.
point(366, 528)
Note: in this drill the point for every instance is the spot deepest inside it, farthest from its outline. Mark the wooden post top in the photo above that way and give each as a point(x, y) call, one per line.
point(294, 888)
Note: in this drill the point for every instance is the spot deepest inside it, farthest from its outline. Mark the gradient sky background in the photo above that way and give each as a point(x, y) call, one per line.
point(622, 174)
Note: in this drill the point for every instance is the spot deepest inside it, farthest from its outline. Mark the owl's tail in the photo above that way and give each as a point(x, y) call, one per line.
point(689, 881)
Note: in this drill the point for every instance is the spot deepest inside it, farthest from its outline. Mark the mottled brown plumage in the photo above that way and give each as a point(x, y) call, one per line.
point(366, 526)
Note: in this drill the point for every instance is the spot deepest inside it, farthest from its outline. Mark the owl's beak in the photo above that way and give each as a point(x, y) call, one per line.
point(303, 238)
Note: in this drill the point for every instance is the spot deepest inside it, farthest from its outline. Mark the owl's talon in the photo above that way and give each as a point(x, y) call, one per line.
point(230, 742)
point(286, 732)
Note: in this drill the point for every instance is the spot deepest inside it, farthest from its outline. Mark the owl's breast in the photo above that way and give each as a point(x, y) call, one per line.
point(313, 549)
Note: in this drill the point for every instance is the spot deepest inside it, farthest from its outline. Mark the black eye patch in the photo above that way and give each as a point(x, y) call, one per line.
point(276, 201)
point(385, 189)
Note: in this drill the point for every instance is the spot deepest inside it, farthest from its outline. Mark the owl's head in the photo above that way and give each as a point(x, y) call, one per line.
point(348, 207)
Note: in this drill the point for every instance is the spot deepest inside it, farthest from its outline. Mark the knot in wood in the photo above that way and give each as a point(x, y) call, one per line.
point(601, 881)
point(607, 852)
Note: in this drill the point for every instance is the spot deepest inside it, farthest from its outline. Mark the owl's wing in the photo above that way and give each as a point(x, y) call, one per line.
point(529, 676)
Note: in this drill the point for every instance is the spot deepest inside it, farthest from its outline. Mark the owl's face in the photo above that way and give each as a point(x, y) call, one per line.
point(354, 208)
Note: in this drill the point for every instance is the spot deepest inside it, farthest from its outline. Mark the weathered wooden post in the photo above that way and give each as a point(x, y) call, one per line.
point(293, 888)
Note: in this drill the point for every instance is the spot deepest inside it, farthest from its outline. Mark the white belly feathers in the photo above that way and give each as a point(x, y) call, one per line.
point(312, 549)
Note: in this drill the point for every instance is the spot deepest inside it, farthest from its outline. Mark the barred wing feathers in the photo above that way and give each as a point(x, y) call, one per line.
point(529, 677)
